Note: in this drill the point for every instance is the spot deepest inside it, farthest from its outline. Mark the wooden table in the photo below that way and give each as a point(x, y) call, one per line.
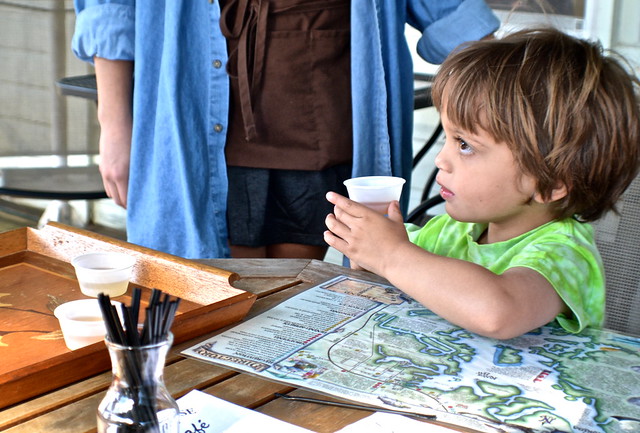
point(73, 408)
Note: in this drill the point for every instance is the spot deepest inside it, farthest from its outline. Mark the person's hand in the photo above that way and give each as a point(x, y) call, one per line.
point(115, 153)
point(364, 235)
point(114, 80)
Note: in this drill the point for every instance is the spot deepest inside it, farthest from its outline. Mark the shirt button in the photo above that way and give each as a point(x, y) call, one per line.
point(217, 64)
point(217, 127)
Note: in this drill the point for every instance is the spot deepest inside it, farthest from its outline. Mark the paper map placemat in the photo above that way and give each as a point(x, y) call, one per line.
point(370, 343)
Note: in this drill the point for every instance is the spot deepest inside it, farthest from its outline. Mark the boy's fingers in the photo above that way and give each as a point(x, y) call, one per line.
point(337, 226)
point(394, 212)
point(334, 241)
point(344, 204)
point(333, 197)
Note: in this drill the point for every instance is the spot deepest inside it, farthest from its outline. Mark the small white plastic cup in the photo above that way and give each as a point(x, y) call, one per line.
point(81, 322)
point(107, 273)
point(375, 192)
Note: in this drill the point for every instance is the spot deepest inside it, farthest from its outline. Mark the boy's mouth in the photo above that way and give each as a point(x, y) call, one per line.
point(446, 193)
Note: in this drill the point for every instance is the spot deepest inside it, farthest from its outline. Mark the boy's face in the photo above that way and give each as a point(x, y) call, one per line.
point(481, 182)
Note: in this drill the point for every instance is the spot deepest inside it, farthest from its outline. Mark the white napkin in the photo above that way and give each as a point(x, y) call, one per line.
point(204, 413)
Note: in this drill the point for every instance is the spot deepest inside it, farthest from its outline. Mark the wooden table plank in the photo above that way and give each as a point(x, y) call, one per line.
point(260, 268)
point(78, 417)
point(52, 401)
point(261, 277)
point(248, 391)
point(316, 417)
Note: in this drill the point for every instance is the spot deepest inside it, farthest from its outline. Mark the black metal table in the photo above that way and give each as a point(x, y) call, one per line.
point(83, 86)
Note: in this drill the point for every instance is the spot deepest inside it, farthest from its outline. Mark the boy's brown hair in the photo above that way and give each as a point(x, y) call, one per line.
point(569, 114)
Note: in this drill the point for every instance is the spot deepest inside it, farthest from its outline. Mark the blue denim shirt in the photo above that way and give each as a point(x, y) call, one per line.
point(178, 179)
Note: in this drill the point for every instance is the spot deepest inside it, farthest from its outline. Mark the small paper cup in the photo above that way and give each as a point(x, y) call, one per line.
point(107, 273)
point(81, 322)
point(375, 192)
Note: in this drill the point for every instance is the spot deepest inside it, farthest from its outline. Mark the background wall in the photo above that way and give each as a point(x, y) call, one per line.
point(35, 40)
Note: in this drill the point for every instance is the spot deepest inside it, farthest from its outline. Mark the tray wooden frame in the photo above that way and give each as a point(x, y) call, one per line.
point(210, 302)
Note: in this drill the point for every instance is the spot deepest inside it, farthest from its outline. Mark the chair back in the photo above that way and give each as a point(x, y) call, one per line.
point(618, 239)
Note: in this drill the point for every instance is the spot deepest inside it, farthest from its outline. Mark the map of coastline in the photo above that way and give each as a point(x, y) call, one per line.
point(371, 343)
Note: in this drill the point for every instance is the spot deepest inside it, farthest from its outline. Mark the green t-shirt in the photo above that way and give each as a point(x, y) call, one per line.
point(564, 252)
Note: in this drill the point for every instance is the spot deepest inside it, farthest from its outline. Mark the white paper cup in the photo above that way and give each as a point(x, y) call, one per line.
point(81, 322)
point(107, 273)
point(375, 192)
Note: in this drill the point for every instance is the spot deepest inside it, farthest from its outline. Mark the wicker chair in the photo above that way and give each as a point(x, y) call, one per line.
point(618, 239)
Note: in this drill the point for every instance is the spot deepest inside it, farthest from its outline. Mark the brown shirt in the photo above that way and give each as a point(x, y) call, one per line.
point(289, 65)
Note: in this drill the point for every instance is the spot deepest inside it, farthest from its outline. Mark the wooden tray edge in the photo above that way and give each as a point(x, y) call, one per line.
point(91, 360)
point(154, 268)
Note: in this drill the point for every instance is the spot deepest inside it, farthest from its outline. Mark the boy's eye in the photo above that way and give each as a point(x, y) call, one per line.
point(463, 146)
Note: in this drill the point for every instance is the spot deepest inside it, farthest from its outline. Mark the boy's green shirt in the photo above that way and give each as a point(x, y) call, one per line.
point(564, 252)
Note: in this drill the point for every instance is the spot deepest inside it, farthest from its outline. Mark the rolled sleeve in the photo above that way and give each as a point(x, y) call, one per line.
point(104, 30)
point(471, 20)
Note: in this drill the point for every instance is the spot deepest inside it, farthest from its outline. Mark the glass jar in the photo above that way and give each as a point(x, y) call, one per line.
point(138, 400)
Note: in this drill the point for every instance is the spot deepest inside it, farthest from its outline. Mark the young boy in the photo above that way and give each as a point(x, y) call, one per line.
point(542, 135)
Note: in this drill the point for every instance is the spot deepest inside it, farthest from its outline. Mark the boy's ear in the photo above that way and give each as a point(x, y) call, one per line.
point(559, 192)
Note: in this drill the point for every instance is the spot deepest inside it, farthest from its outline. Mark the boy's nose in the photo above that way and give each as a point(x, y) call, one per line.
point(441, 161)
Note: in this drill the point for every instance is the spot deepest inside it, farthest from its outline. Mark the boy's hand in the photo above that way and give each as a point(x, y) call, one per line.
point(364, 235)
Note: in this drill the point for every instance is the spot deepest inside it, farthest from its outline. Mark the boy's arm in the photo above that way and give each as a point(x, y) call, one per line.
point(115, 86)
point(464, 293)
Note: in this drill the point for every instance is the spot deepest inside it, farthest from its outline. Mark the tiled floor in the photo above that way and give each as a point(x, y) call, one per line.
point(109, 219)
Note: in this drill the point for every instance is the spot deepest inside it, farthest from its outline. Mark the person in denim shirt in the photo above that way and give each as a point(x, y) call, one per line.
point(162, 145)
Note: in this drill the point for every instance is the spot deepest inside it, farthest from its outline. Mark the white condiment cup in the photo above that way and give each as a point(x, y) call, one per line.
point(81, 322)
point(103, 272)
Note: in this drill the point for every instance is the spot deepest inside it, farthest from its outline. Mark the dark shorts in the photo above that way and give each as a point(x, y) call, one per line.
point(267, 206)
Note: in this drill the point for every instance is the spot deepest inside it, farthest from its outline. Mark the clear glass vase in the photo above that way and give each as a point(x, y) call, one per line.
point(138, 400)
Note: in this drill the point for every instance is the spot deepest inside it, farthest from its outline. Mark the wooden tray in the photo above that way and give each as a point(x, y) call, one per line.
point(36, 276)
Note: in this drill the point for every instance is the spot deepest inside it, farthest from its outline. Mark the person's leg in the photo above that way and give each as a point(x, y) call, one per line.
point(297, 209)
point(244, 252)
point(246, 207)
point(280, 213)
point(296, 251)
